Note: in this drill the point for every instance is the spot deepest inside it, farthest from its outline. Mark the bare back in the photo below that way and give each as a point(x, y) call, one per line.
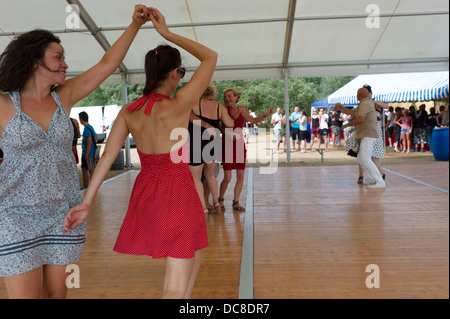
point(164, 129)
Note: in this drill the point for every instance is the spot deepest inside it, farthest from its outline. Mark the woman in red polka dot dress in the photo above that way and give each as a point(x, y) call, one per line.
point(165, 215)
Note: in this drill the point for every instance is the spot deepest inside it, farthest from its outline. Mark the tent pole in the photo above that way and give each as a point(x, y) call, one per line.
point(287, 114)
point(124, 102)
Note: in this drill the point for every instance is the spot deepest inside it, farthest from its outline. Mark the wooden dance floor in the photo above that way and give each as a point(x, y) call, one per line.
point(314, 233)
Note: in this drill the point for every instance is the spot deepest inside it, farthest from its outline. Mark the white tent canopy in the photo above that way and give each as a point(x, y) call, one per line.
point(399, 87)
point(254, 38)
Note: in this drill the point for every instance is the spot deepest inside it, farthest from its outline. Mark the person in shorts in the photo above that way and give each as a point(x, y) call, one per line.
point(324, 128)
point(277, 122)
point(295, 120)
point(88, 162)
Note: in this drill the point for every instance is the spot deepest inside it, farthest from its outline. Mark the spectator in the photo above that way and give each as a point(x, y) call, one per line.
point(314, 121)
point(430, 125)
point(76, 136)
point(420, 133)
point(295, 119)
point(398, 130)
point(324, 128)
point(390, 116)
point(277, 122)
point(304, 134)
point(406, 124)
point(442, 118)
point(89, 145)
point(253, 127)
point(336, 122)
point(412, 112)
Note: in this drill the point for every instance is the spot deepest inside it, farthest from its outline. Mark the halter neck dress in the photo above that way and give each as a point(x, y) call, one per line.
point(165, 215)
point(39, 184)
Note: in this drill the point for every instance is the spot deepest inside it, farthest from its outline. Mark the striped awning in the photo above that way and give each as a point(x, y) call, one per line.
point(401, 87)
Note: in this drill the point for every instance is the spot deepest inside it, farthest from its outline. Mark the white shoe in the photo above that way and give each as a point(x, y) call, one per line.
point(376, 186)
point(366, 183)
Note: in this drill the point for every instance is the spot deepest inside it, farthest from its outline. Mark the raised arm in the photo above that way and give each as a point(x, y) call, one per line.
point(345, 110)
point(256, 120)
point(381, 104)
point(191, 92)
point(77, 88)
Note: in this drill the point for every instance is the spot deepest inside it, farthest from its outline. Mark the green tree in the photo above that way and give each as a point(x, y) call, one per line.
point(258, 94)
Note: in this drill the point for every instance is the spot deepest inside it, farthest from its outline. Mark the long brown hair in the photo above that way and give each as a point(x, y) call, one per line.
point(158, 63)
point(17, 62)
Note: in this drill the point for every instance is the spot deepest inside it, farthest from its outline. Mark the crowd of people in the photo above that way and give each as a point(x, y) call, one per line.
point(42, 211)
point(406, 130)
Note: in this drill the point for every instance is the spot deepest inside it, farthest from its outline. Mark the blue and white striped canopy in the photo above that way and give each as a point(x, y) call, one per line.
point(401, 87)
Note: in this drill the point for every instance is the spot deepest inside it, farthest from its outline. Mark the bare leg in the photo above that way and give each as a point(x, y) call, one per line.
point(197, 261)
point(54, 282)
point(24, 286)
point(86, 178)
point(212, 180)
point(224, 185)
point(239, 184)
point(177, 277)
point(197, 174)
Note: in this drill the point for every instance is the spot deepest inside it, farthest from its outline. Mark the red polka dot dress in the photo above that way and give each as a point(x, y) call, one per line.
point(165, 215)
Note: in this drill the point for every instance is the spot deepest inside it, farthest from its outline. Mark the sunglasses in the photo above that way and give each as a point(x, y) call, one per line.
point(182, 72)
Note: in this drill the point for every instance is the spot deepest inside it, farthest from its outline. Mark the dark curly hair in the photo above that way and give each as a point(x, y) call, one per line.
point(20, 56)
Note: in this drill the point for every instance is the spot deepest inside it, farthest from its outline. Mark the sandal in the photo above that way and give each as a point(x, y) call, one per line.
point(238, 207)
point(361, 180)
point(222, 206)
point(216, 209)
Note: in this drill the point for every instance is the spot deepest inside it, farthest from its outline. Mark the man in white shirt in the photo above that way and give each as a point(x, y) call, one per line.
point(276, 121)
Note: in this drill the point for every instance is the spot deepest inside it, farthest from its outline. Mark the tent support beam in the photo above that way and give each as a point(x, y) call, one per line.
point(287, 115)
point(221, 23)
point(442, 60)
point(94, 30)
point(289, 31)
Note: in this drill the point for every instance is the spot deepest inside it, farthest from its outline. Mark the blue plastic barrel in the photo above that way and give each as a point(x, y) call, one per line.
point(441, 144)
